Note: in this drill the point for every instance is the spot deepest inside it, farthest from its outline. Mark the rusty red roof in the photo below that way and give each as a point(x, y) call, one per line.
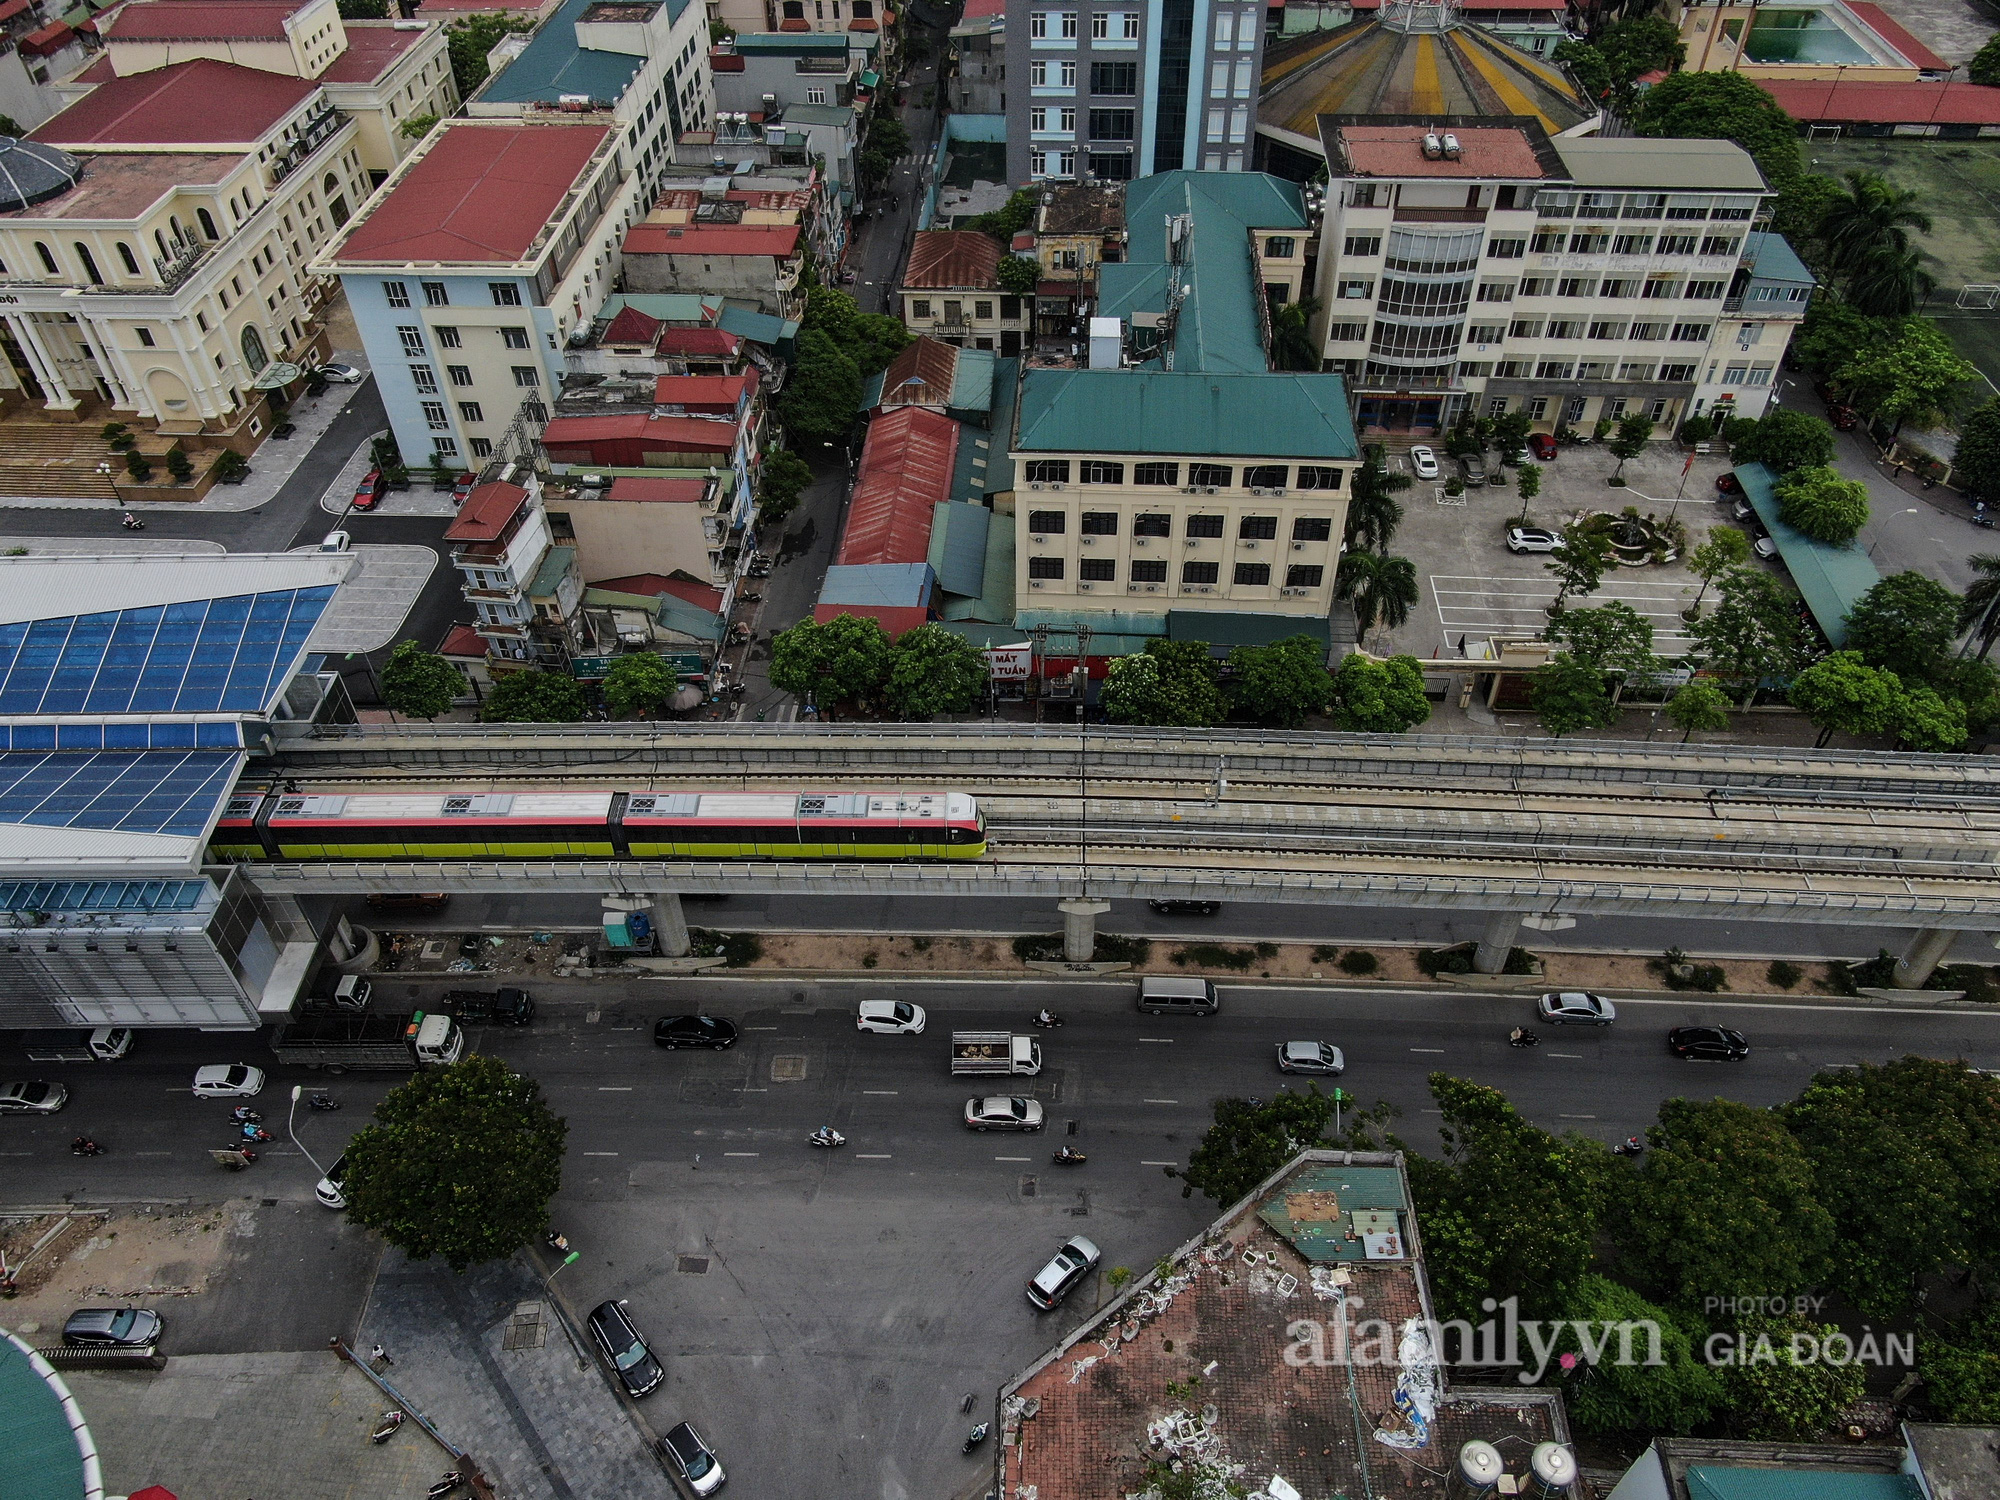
point(942, 258)
point(651, 585)
point(714, 341)
point(481, 193)
point(373, 48)
point(1874, 103)
point(50, 39)
point(198, 103)
point(717, 393)
point(895, 619)
point(905, 470)
point(199, 20)
point(776, 240)
point(460, 640)
point(630, 327)
point(691, 434)
point(486, 512)
point(920, 375)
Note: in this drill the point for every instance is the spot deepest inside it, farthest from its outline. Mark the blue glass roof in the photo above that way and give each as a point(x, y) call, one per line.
point(203, 656)
point(154, 791)
point(55, 896)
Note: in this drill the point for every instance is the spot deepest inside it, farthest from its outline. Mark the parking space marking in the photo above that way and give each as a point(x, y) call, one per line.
point(1166, 1039)
point(1576, 1117)
point(760, 1028)
point(140, 1153)
point(1469, 603)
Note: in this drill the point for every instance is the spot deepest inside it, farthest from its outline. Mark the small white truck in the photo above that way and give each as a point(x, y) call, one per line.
point(105, 1044)
point(974, 1052)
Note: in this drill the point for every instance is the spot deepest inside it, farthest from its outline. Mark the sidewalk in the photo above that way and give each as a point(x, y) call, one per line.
point(507, 1391)
point(418, 500)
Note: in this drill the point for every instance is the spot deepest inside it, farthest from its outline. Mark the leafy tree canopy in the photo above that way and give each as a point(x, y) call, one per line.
point(1569, 695)
point(1726, 548)
point(1379, 697)
point(1250, 1140)
point(1785, 440)
point(1698, 704)
point(823, 394)
point(1623, 52)
point(1985, 68)
point(1009, 219)
point(1823, 505)
point(1752, 632)
point(934, 672)
point(1578, 562)
point(638, 683)
point(1281, 683)
point(469, 40)
point(781, 480)
point(1842, 694)
point(460, 1162)
point(1906, 623)
point(1019, 275)
point(1787, 1398)
point(1612, 1398)
point(1927, 721)
point(1170, 682)
point(534, 697)
point(1833, 333)
point(419, 683)
point(1612, 637)
point(1961, 1367)
point(845, 660)
point(1976, 465)
point(1915, 376)
point(1723, 106)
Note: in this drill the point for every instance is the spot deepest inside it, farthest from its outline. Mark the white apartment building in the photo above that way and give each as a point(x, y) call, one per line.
point(1474, 263)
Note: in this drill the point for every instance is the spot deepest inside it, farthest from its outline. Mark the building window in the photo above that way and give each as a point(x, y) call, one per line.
point(1066, 120)
point(1538, 408)
point(527, 375)
point(1149, 571)
point(1576, 286)
point(1097, 471)
point(1111, 166)
point(1704, 291)
point(434, 416)
point(482, 447)
point(131, 261)
point(920, 307)
point(468, 411)
point(1100, 24)
point(1155, 474)
point(1257, 528)
point(1225, 29)
point(447, 338)
point(1209, 474)
point(1045, 567)
point(145, 338)
point(1066, 72)
point(1312, 529)
point(1200, 572)
point(445, 447)
point(1677, 372)
point(1508, 249)
point(1304, 576)
point(435, 294)
point(1253, 574)
point(1496, 291)
point(982, 310)
point(412, 337)
point(1114, 124)
point(1098, 522)
point(1555, 369)
point(1565, 328)
point(1690, 333)
point(1496, 406)
point(1200, 526)
point(1239, 122)
point(1114, 78)
point(1048, 522)
point(459, 374)
point(1537, 286)
point(505, 293)
point(1266, 476)
point(1152, 523)
point(514, 338)
point(1038, 23)
point(1097, 569)
point(254, 357)
point(1048, 471)
point(397, 292)
point(1632, 244)
point(1069, 25)
point(423, 377)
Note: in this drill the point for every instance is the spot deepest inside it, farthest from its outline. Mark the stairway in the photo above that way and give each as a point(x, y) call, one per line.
point(55, 460)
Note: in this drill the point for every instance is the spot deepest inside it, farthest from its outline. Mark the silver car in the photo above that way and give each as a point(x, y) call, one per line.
point(228, 1081)
point(37, 1098)
point(1311, 1057)
point(1072, 1262)
point(693, 1459)
point(1003, 1112)
point(1578, 1007)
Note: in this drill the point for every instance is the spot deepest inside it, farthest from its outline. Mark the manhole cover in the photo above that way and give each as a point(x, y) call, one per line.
point(691, 1265)
point(525, 1331)
point(788, 1069)
point(1027, 1187)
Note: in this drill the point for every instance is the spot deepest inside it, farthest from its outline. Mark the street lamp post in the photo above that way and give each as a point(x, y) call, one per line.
point(290, 1116)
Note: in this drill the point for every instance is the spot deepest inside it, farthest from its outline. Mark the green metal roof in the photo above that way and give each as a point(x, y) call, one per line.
point(972, 383)
point(1273, 414)
point(668, 307)
point(999, 471)
point(958, 547)
point(673, 613)
point(43, 1441)
point(549, 576)
point(1771, 258)
point(995, 604)
point(552, 64)
point(1112, 632)
point(1717, 1482)
point(1832, 579)
point(760, 328)
point(1223, 628)
point(790, 43)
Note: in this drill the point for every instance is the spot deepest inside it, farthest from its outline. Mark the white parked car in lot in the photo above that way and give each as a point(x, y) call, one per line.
point(1423, 462)
point(228, 1081)
point(1532, 539)
point(895, 1017)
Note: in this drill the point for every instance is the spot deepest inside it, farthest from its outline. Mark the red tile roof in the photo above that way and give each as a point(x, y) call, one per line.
point(1886, 103)
point(480, 193)
point(202, 102)
point(716, 393)
point(976, 8)
point(651, 585)
point(50, 39)
point(905, 471)
point(687, 434)
point(373, 48)
point(895, 619)
point(775, 240)
point(486, 512)
point(463, 640)
point(645, 491)
point(199, 20)
point(713, 341)
point(942, 258)
point(1893, 32)
point(630, 327)
point(13, 8)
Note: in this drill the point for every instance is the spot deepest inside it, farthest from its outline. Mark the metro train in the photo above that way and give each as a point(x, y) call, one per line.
point(270, 824)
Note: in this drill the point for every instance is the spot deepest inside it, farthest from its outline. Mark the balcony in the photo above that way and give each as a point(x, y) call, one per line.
point(1440, 215)
point(494, 596)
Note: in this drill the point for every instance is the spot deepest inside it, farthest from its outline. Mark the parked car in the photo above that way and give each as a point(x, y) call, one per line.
point(1310, 1057)
point(1532, 539)
point(1513, 458)
point(368, 494)
point(1003, 1112)
point(336, 541)
point(625, 1349)
point(461, 489)
point(1560, 1008)
point(341, 374)
point(1473, 467)
point(1763, 546)
point(1845, 418)
point(1543, 446)
point(1726, 483)
point(1186, 908)
point(283, 430)
point(228, 1081)
point(331, 1189)
point(33, 1098)
point(409, 901)
point(1073, 1261)
point(894, 1017)
point(694, 1031)
point(693, 1459)
point(1423, 462)
point(1742, 510)
point(1708, 1043)
point(113, 1328)
point(471, 1007)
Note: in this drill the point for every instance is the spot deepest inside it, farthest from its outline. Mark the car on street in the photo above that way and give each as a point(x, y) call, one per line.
point(1543, 446)
point(1310, 1057)
point(228, 1081)
point(331, 1189)
point(1072, 1261)
point(408, 901)
point(1726, 483)
point(342, 374)
point(1708, 1043)
point(113, 1328)
point(368, 494)
point(502, 1007)
point(625, 1349)
point(1003, 1112)
point(892, 1017)
point(693, 1459)
point(1423, 462)
point(1563, 1007)
point(1764, 547)
point(1186, 908)
point(1532, 539)
point(336, 541)
point(1473, 468)
point(35, 1098)
point(694, 1031)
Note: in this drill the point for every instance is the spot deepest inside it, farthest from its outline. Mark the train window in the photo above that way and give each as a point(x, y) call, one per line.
point(812, 805)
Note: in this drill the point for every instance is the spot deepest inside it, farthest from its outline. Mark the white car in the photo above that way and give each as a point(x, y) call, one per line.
point(1311, 1057)
point(331, 1189)
point(1003, 1112)
point(1071, 1264)
point(1532, 539)
point(895, 1017)
point(693, 1459)
point(336, 541)
point(1764, 547)
point(228, 1081)
point(1561, 1008)
point(1423, 462)
point(342, 374)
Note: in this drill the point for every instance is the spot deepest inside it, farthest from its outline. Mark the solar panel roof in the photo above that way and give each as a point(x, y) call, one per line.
point(105, 895)
point(154, 791)
point(201, 656)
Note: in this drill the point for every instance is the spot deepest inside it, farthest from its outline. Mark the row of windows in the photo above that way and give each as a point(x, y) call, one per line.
point(1564, 205)
point(1255, 476)
point(1595, 328)
point(1105, 77)
point(1583, 369)
point(437, 294)
point(1537, 408)
point(1105, 570)
point(954, 308)
point(1105, 25)
point(1105, 166)
point(1250, 528)
point(434, 416)
point(1105, 124)
point(1598, 241)
point(424, 378)
point(450, 338)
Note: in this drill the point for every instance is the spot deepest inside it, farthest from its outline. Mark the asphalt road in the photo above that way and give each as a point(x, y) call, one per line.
point(839, 1302)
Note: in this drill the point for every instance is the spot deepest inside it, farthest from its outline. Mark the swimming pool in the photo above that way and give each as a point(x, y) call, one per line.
point(1802, 36)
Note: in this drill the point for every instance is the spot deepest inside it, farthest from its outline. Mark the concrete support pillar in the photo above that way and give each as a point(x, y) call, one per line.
point(1080, 928)
point(341, 944)
point(1926, 948)
point(670, 925)
point(1496, 942)
point(46, 370)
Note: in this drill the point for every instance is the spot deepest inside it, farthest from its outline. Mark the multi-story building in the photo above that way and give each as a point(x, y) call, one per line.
point(1472, 263)
point(1121, 90)
point(951, 291)
point(1078, 226)
point(760, 264)
point(977, 81)
point(762, 72)
point(858, 18)
point(472, 266)
point(1179, 475)
point(523, 585)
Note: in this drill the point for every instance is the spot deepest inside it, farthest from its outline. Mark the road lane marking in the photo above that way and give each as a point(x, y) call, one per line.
point(1013, 1158)
point(614, 1088)
point(1166, 1039)
point(142, 1153)
point(1438, 1050)
point(871, 1156)
point(752, 1091)
point(598, 1153)
point(1163, 1101)
point(887, 1093)
point(742, 1153)
point(1576, 1117)
point(1578, 1056)
point(760, 1028)
point(1159, 1164)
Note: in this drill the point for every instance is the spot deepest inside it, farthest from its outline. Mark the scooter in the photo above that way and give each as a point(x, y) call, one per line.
point(445, 1486)
point(322, 1101)
point(1069, 1156)
point(243, 1114)
point(131, 522)
point(235, 1156)
point(1521, 1037)
point(386, 1427)
point(1630, 1146)
point(83, 1145)
point(1048, 1020)
point(975, 1437)
point(826, 1135)
point(256, 1133)
point(556, 1241)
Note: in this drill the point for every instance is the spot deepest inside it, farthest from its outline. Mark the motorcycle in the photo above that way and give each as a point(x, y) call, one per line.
point(243, 1114)
point(322, 1101)
point(1630, 1146)
point(975, 1437)
point(83, 1145)
point(1048, 1020)
point(826, 1135)
point(451, 1481)
point(235, 1156)
point(386, 1427)
point(256, 1133)
point(1069, 1156)
point(1521, 1037)
point(131, 522)
point(1983, 521)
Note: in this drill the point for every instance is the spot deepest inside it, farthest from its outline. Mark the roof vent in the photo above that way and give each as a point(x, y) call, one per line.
point(1451, 147)
point(1433, 147)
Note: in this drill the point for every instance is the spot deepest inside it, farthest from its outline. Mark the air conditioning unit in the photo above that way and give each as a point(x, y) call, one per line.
point(1257, 491)
point(1204, 588)
point(1248, 546)
point(1038, 540)
point(1208, 489)
point(1140, 541)
point(1035, 484)
point(1192, 489)
point(1034, 583)
point(1087, 541)
point(1193, 542)
point(1278, 490)
point(1289, 592)
point(1084, 587)
point(1152, 588)
point(1055, 485)
point(1298, 546)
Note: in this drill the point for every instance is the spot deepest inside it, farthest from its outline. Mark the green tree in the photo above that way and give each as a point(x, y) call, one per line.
point(1979, 610)
point(1381, 588)
point(1511, 429)
point(1785, 440)
point(1929, 722)
point(845, 660)
point(1871, 216)
point(1612, 637)
point(1890, 283)
point(1578, 563)
point(1723, 106)
point(364, 10)
point(1569, 695)
point(1615, 1398)
point(1019, 275)
point(638, 683)
point(1915, 376)
point(1008, 220)
point(1724, 1205)
point(870, 340)
point(1698, 704)
point(1379, 697)
point(1528, 480)
point(1292, 346)
point(1169, 683)
point(1832, 333)
point(418, 683)
point(1623, 52)
point(1961, 1366)
point(469, 40)
point(1281, 683)
point(1985, 68)
point(1251, 1139)
point(781, 480)
point(932, 671)
point(1824, 506)
point(1799, 210)
point(1776, 1396)
point(1753, 631)
point(1630, 438)
point(1906, 623)
point(888, 142)
point(417, 126)
point(1373, 513)
point(460, 1162)
point(1842, 694)
point(821, 398)
point(1725, 548)
point(534, 697)
point(1906, 1159)
point(1975, 466)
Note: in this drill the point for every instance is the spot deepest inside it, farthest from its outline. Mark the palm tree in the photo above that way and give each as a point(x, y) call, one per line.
point(1291, 336)
point(1372, 514)
point(1890, 283)
point(1873, 215)
point(1381, 588)
point(1979, 610)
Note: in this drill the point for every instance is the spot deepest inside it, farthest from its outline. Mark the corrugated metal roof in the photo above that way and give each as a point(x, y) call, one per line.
point(775, 240)
point(1771, 258)
point(995, 604)
point(552, 64)
point(759, 327)
point(958, 547)
point(1271, 415)
point(1226, 628)
point(891, 585)
point(1832, 579)
point(922, 374)
point(946, 258)
point(1697, 165)
point(549, 576)
point(1872, 103)
point(972, 381)
point(1717, 1482)
point(905, 471)
point(894, 621)
point(486, 511)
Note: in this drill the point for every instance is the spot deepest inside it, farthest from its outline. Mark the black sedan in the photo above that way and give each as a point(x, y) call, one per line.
point(694, 1031)
point(624, 1349)
point(1177, 908)
point(113, 1328)
point(1708, 1043)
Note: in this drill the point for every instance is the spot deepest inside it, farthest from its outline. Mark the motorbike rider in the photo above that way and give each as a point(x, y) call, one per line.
point(1045, 1017)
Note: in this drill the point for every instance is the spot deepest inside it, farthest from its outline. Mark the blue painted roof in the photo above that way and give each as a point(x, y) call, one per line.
point(885, 585)
point(152, 791)
point(1723, 1482)
point(552, 65)
point(1772, 258)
